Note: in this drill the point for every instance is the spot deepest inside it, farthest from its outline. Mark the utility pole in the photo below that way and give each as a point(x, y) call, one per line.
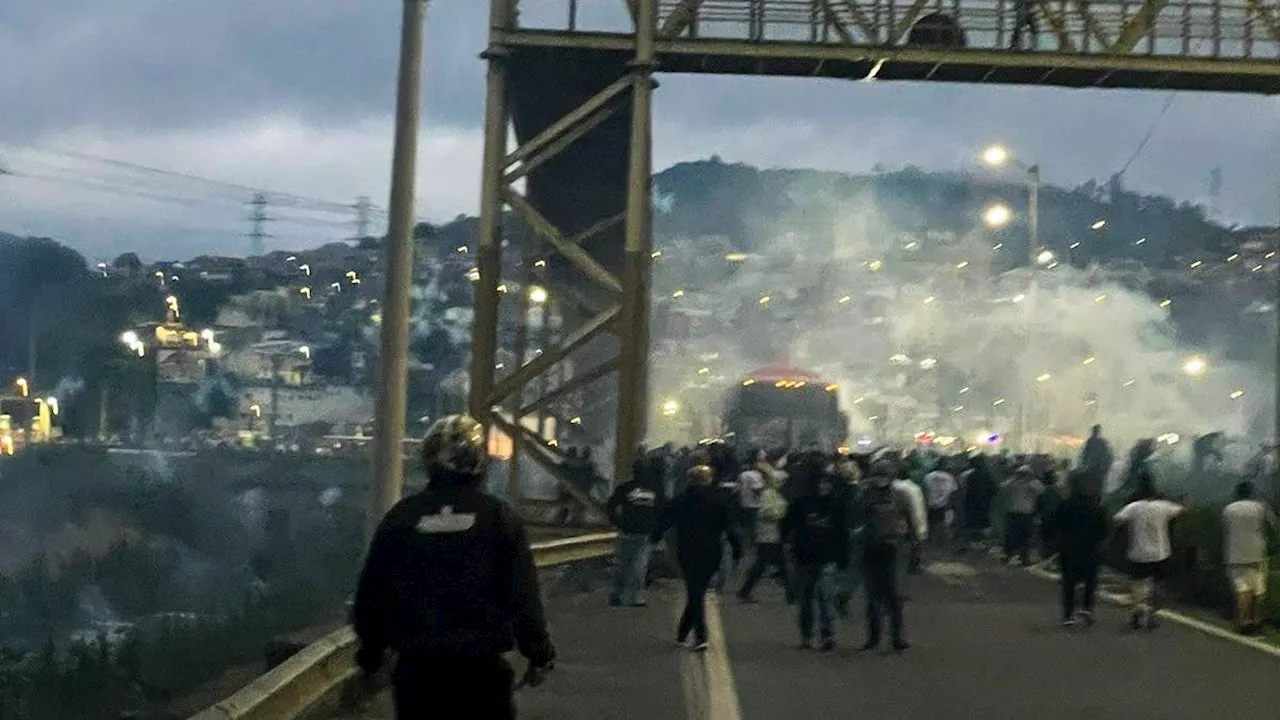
point(388, 463)
point(258, 218)
point(362, 208)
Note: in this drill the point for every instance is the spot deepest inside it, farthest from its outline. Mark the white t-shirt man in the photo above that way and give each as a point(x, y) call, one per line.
point(939, 486)
point(750, 488)
point(1244, 550)
point(1244, 524)
point(1148, 522)
point(919, 516)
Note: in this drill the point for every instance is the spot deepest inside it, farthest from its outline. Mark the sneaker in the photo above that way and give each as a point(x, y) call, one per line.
point(900, 645)
point(828, 644)
point(700, 646)
point(1087, 617)
point(806, 644)
point(1068, 622)
point(1135, 621)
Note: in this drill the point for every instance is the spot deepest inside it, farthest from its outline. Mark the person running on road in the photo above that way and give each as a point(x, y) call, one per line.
point(1244, 525)
point(450, 584)
point(1080, 526)
point(889, 522)
point(773, 508)
point(1148, 519)
point(702, 521)
point(1023, 491)
point(940, 488)
point(815, 525)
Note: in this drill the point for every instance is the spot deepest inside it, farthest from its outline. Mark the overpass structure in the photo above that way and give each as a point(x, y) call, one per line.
point(574, 79)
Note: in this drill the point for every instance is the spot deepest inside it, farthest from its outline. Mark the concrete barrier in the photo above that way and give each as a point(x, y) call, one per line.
point(322, 675)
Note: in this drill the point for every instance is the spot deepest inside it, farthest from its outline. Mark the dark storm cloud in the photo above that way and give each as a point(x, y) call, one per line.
point(137, 66)
point(163, 64)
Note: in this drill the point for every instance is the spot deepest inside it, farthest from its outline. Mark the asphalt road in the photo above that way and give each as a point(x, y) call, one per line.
point(986, 644)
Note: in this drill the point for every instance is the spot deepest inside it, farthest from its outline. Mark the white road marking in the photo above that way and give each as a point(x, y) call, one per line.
point(1175, 617)
point(710, 692)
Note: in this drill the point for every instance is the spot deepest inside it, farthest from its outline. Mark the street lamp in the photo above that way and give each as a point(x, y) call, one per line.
point(538, 295)
point(1195, 366)
point(998, 156)
point(23, 386)
point(997, 215)
point(1045, 257)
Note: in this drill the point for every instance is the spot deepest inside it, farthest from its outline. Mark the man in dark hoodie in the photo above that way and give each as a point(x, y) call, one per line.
point(450, 584)
point(702, 523)
point(1080, 526)
point(816, 526)
point(889, 525)
point(634, 508)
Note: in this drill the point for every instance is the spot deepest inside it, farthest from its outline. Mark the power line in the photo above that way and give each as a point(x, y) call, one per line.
point(276, 197)
point(1151, 131)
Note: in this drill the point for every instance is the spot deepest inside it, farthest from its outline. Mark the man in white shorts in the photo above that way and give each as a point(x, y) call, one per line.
point(1244, 525)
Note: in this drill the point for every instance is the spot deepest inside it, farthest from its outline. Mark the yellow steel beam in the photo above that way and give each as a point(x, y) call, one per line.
point(1137, 24)
point(574, 383)
point(1058, 25)
point(835, 22)
point(556, 146)
point(1091, 25)
point(569, 121)
point(544, 362)
point(870, 32)
point(573, 253)
point(710, 48)
point(537, 449)
point(680, 19)
point(1267, 15)
point(903, 26)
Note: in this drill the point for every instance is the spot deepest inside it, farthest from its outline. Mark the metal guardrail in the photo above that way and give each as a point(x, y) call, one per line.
point(319, 672)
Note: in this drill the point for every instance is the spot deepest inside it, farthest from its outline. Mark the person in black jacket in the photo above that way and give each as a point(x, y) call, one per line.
point(450, 584)
point(702, 522)
point(816, 527)
point(1080, 526)
point(634, 508)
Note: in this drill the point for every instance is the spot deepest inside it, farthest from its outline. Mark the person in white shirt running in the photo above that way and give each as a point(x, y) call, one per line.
point(1244, 526)
point(940, 487)
point(1148, 520)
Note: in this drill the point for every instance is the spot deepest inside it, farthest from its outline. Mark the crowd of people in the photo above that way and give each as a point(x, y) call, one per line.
point(829, 525)
point(450, 585)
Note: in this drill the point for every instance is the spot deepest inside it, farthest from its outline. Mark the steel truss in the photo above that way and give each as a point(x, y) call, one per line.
point(498, 402)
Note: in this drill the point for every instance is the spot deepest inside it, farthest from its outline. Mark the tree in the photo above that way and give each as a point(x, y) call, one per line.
point(128, 263)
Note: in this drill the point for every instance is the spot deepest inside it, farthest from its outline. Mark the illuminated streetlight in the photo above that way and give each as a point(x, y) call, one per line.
point(23, 386)
point(997, 216)
point(995, 156)
point(256, 410)
point(52, 402)
point(306, 269)
point(1045, 257)
point(1237, 394)
point(306, 351)
point(306, 292)
point(1043, 377)
point(1195, 366)
point(735, 257)
point(1098, 225)
point(765, 300)
point(670, 408)
point(538, 295)
point(844, 300)
point(962, 264)
point(678, 294)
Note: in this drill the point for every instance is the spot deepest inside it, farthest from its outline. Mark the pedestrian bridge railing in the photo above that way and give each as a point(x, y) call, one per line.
point(323, 674)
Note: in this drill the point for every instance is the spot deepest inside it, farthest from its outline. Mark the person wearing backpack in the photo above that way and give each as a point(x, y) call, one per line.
point(889, 523)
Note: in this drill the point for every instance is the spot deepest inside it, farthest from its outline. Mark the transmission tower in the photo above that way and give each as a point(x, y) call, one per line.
point(258, 218)
point(362, 208)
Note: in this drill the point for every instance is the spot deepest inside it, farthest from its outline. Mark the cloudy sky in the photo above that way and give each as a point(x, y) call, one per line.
point(297, 96)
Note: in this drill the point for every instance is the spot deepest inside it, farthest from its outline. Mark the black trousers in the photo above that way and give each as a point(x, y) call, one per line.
point(694, 617)
point(880, 564)
point(1017, 535)
point(1076, 572)
point(767, 555)
point(440, 687)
